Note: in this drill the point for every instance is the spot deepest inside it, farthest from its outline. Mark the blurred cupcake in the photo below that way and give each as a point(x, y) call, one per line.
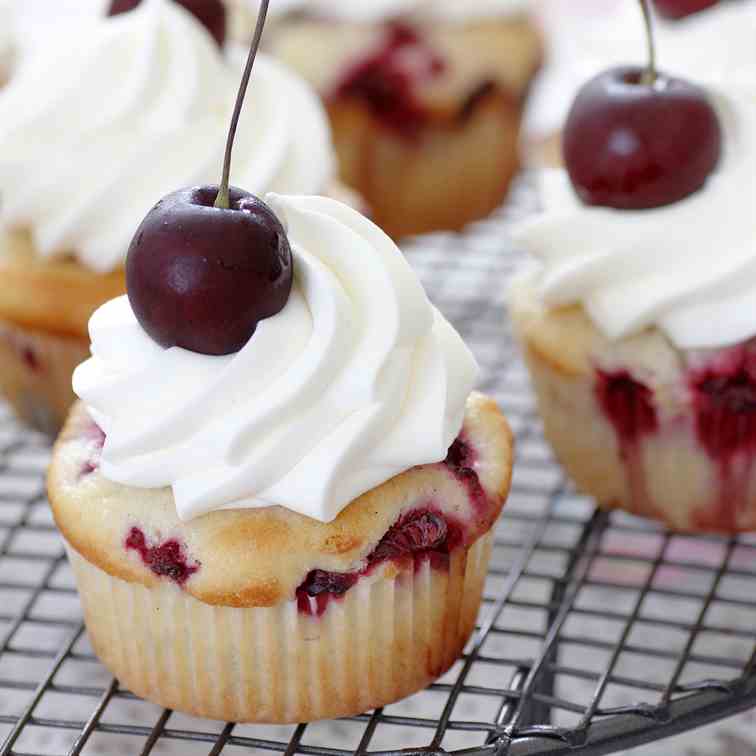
point(91, 134)
point(712, 44)
point(425, 99)
point(7, 47)
point(298, 530)
point(639, 329)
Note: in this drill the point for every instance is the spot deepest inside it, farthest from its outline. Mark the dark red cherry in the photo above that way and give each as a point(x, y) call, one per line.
point(201, 277)
point(212, 13)
point(682, 8)
point(632, 145)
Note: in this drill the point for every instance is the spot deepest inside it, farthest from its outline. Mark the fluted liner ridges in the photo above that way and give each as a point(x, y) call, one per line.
point(388, 637)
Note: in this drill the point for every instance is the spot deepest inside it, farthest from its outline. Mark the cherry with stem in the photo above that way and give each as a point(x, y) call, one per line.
point(649, 77)
point(208, 263)
point(636, 138)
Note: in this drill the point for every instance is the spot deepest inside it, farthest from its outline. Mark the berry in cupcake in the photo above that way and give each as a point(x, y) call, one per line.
point(425, 99)
point(92, 133)
point(636, 321)
point(279, 490)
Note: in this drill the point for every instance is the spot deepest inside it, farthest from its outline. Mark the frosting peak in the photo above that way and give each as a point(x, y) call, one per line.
point(94, 133)
point(687, 268)
point(357, 379)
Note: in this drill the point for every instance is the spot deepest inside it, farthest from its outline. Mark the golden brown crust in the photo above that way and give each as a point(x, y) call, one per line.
point(561, 337)
point(259, 557)
point(57, 296)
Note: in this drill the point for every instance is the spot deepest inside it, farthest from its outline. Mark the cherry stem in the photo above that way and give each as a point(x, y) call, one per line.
point(649, 77)
point(222, 201)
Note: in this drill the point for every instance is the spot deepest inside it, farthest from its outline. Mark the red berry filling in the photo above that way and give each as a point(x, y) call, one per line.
point(388, 79)
point(95, 436)
point(723, 395)
point(421, 534)
point(725, 406)
point(165, 559)
point(628, 404)
point(461, 461)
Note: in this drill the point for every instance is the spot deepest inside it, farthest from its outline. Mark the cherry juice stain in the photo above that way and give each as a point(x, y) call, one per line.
point(628, 405)
point(420, 534)
point(166, 559)
point(388, 79)
point(723, 396)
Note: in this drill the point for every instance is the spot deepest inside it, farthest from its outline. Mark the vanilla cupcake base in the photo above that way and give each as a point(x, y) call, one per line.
point(386, 638)
point(36, 374)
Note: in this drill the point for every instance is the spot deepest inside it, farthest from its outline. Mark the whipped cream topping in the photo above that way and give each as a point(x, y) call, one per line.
point(371, 11)
point(713, 47)
point(687, 268)
point(357, 379)
point(94, 133)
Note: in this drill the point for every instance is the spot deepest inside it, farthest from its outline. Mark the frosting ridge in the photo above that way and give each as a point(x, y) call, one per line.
point(357, 379)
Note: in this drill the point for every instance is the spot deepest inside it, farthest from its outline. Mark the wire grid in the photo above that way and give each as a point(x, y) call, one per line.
point(598, 632)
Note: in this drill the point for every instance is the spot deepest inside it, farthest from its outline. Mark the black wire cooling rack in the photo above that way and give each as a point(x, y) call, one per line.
point(598, 632)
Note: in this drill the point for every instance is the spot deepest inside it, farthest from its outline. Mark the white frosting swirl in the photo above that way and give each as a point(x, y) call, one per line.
point(687, 268)
point(94, 133)
point(372, 11)
point(357, 379)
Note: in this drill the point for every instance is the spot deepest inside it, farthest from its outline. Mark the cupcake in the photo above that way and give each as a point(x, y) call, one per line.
point(296, 530)
point(91, 135)
point(425, 99)
point(709, 40)
point(636, 322)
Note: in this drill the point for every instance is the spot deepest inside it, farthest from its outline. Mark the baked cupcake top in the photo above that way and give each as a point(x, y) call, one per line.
point(688, 268)
point(258, 557)
point(357, 378)
point(93, 132)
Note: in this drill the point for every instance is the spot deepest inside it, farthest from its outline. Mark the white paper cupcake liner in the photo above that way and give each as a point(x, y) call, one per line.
point(389, 636)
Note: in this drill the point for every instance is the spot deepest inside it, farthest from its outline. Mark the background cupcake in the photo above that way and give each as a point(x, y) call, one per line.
point(297, 530)
point(425, 99)
point(638, 330)
point(91, 134)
